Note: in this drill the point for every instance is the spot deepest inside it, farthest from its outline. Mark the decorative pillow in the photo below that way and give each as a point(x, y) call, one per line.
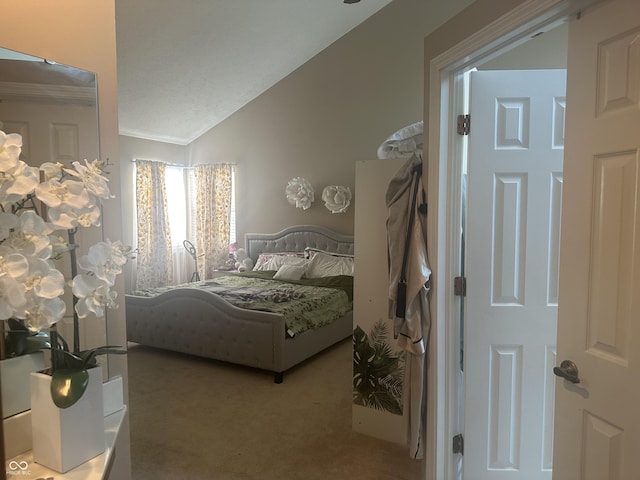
point(325, 265)
point(273, 261)
point(290, 272)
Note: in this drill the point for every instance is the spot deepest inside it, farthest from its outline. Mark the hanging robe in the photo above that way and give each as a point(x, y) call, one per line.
point(412, 329)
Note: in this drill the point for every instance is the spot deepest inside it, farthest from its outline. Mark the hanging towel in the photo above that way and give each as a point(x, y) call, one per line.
point(403, 143)
point(411, 323)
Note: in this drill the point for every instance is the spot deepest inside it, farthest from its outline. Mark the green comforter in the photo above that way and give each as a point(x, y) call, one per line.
point(305, 304)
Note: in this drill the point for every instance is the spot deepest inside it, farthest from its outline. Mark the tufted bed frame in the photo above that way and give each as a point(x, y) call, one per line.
point(201, 323)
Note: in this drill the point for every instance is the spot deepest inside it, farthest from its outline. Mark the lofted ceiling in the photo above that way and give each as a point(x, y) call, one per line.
point(185, 66)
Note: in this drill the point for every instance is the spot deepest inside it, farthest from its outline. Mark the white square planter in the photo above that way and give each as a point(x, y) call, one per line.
point(16, 385)
point(64, 438)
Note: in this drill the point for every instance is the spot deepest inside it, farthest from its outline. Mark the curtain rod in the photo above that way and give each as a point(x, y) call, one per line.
point(134, 160)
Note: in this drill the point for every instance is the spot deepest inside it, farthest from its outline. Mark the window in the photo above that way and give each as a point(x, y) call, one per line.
point(181, 204)
point(177, 185)
point(179, 191)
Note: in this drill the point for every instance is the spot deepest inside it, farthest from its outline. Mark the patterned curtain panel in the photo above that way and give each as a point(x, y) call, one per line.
point(213, 216)
point(154, 240)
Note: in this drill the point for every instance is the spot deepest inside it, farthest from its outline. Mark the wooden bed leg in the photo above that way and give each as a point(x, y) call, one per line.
point(277, 377)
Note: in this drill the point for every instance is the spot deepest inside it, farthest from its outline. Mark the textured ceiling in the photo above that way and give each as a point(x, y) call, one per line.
point(186, 65)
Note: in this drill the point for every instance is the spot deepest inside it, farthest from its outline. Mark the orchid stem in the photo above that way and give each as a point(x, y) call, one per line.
point(74, 272)
point(53, 339)
point(3, 353)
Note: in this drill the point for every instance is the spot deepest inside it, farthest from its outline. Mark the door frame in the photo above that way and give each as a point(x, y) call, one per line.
point(443, 91)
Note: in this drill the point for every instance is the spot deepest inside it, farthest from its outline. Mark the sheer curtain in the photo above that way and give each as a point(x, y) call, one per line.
point(154, 258)
point(213, 215)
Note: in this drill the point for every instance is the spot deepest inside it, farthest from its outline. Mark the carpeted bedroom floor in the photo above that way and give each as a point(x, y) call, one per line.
point(194, 419)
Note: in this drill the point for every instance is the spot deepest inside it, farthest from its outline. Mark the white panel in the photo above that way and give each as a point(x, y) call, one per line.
point(512, 123)
point(22, 128)
point(555, 218)
point(509, 238)
point(557, 124)
point(548, 408)
point(601, 449)
point(64, 143)
point(369, 294)
point(619, 73)
point(611, 275)
point(505, 407)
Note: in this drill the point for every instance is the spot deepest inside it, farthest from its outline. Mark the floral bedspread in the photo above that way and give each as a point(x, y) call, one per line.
point(303, 306)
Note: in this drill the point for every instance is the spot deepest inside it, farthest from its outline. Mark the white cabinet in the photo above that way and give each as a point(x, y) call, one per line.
point(375, 414)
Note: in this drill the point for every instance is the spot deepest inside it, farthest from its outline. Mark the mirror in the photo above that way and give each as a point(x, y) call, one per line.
point(54, 108)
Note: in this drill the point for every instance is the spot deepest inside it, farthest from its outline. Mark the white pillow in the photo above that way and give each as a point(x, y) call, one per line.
point(273, 261)
point(290, 272)
point(324, 265)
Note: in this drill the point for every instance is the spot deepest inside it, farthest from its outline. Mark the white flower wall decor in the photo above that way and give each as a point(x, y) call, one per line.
point(336, 198)
point(299, 192)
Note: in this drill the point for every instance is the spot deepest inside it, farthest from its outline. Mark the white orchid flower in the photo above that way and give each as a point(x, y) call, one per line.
point(105, 259)
point(10, 148)
point(52, 171)
point(12, 298)
point(119, 252)
point(100, 261)
point(91, 176)
point(32, 223)
point(31, 287)
point(30, 236)
point(58, 246)
point(93, 294)
point(67, 217)
point(67, 192)
point(12, 263)
point(17, 182)
point(43, 312)
point(42, 280)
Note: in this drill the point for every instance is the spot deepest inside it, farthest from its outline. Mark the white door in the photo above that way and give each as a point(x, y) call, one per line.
point(59, 132)
point(598, 420)
point(514, 190)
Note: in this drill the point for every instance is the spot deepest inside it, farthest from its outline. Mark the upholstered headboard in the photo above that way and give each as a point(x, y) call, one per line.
point(296, 239)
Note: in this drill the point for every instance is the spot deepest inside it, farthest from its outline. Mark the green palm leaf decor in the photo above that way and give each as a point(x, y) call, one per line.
point(377, 370)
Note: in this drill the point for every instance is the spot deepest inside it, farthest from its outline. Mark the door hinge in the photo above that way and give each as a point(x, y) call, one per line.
point(458, 444)
point(460, 286)
point(464, 124)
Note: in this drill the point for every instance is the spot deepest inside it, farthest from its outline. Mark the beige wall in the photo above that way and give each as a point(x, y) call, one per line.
point(82, 34)
point(331, 112)
point(546, 51)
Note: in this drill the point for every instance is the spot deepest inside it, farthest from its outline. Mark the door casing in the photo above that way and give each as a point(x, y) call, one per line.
point(443, 91)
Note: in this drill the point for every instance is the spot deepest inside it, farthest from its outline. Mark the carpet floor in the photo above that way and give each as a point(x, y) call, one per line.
point(193, 418)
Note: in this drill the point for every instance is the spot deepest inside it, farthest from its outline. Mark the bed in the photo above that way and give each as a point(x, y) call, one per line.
point(201, 322)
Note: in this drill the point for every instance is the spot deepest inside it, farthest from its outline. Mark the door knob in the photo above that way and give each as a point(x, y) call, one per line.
point(567, 370)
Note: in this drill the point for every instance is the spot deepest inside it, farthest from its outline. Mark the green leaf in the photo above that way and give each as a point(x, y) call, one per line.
point(37, 342)
point(68, 386)
point(66, 360)
point(377, 376)
point(21, 341)
point(89, 356)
